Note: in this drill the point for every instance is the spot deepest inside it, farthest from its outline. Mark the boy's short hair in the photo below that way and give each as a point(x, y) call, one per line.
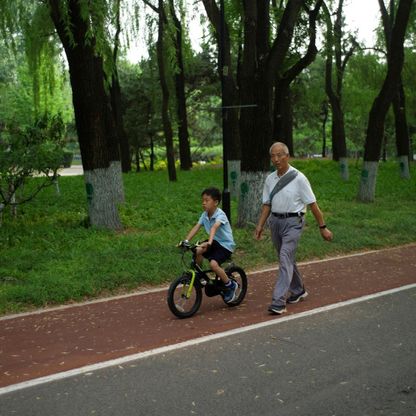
point(213, 192)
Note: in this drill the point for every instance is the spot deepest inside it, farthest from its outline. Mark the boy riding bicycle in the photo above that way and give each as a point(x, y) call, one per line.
point(220, 243)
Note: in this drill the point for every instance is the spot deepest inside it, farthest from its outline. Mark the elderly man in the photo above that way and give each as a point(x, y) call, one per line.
point(286, 194)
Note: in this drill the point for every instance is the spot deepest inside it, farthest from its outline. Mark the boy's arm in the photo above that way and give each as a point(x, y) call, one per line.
point(194, 230)
point(212, 232)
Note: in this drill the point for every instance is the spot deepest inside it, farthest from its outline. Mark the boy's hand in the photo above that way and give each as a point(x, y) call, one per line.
point(184, 243)
point(205, 245)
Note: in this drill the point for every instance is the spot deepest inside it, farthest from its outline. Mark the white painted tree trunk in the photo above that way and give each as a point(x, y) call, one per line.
point(343, 165)
point(234, 177)
point(117, 175)
point(250, 201)
point(103, 195)
point(367, 190)
point(12, 199)
point(404, 167)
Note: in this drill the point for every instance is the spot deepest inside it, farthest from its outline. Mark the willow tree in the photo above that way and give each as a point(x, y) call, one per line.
point(81, 27)
point(381, 104)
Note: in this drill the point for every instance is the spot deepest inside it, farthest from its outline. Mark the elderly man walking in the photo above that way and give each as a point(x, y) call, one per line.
point(286, 194)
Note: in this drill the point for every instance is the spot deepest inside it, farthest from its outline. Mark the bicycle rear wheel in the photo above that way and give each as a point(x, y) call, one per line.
point(182, 302)
point(238, 275)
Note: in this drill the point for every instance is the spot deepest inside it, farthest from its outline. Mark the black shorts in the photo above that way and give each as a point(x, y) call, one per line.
point(217, 252)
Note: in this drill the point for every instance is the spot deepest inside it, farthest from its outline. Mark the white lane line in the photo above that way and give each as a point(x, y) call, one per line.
point(165, 288)
point(168, 348)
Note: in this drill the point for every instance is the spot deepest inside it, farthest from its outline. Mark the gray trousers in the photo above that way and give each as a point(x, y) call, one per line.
point(286, 233)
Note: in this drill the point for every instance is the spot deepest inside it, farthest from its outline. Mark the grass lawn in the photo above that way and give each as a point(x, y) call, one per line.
point(48, 257)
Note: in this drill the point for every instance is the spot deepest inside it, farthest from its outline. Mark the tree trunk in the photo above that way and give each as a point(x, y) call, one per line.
point(118, 117)
point(283, 120)
point(334, 41)
point(339, 146)
point(137, 158)
point(183, 135)
point(368, 181)
point(93, 117)
point(283, 111)
point(251, 191)
point(324, 114)
point(167, 126)
point(115, 94)
point(402, 132)
point(101, 205)
point(152, 154)
point(375, 129)
point(399, 104)
point(260, 64)
point(343, 166)
point(231, 97)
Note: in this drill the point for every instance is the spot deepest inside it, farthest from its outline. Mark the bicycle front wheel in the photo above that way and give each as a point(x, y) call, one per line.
point(182, 301)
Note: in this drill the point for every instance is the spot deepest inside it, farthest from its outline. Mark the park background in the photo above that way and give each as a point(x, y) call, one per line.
point(150, 135)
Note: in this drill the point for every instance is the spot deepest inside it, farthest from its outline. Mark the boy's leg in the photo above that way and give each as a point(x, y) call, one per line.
point(200, 254)
point(219, 271)
point(230, 291)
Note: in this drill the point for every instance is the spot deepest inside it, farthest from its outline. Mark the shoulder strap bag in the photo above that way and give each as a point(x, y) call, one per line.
point(282, 183)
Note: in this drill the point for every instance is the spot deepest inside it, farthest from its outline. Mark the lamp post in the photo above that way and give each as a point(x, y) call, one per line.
point(223, 72)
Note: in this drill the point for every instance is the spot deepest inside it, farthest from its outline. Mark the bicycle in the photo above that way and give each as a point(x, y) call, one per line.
point(185, 292)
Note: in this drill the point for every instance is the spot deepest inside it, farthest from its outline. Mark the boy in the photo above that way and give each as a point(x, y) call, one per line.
point(220, 243)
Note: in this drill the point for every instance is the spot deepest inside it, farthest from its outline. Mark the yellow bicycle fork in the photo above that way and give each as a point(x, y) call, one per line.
point(188, 291)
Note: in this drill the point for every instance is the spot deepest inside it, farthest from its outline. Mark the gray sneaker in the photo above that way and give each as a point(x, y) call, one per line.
point(277, 310)
point(297, 298)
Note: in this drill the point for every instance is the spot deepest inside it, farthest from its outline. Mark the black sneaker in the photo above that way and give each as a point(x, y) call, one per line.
point(277, 310)
point(297, 298)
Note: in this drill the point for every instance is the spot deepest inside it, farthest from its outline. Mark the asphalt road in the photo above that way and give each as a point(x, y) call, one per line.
point(355, 360)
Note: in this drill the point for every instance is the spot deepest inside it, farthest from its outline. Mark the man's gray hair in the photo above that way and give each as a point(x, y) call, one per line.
point(285, 148)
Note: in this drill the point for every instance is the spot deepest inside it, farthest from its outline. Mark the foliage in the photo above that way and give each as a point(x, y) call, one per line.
point(48, 257)
point(33, 79)
point(141, 101)
point(27, 152)
point(26, 93)
point(363, 81)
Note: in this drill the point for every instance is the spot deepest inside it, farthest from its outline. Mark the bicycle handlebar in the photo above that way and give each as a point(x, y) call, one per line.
point(186, 245)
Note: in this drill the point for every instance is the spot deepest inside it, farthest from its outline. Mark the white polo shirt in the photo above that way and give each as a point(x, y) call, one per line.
point(293, 197)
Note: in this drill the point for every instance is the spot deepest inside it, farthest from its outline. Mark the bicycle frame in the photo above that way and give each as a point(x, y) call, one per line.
point(195, 270)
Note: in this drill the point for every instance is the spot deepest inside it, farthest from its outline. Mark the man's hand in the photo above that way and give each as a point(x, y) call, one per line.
point(326, 234)
point(258, 232)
